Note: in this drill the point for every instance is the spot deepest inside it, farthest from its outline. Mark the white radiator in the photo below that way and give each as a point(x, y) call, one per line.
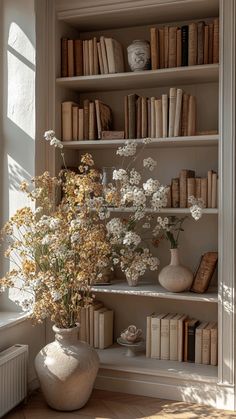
point(13, 377)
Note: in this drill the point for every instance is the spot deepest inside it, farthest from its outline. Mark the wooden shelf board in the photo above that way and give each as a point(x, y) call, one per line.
point(148, 289)
point(206, 211)
point(113, 358)
point(193, 141)
point(142, 79)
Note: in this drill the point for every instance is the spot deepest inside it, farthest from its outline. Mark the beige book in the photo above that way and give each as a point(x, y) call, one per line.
point(158, 119)
point(148, 336)
point(192, 111)
point(206, 45)
point(209, 189)
point(101, 66)
point(175, 194)
point(95, 57)
point(214, 345)
point(154, 45)
point(191, 191)
point(179, 49)
point(181, 337)
point(206, 343)
point(104, 55)
point(115, 58)
point(71, 63)
point(96, 325)
point(198, 342)
point(166, 46)
point(214, 191)
point(143, 117)
point(215, 41)
point(67, 120)
point(81, 125)
point(87, 57)
point(184, 119)
point(82, 330)
point(74, 123)
point(91, 121)
point(178, 109)
point(172, 108)
point(156, 335)
point(210, 44)
point(165, 336)
point(105, 328)
point(184, 175)
point(153, 118)
point(200, 42)
point(172, 52)
point(92, 308)
point(168, 204)
point(90, 46)
point(204, 191)
point(174, 337)
point(192, 44)
point(198, 187)
point(161, 48)
point(84, 61)
point(164, 99)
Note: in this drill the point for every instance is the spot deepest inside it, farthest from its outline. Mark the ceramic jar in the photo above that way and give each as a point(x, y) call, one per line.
point(139, 57)
point(66, 370)
point(175, 277)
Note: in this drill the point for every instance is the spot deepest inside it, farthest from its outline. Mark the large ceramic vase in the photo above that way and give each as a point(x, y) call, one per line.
point(175, 277)
point(67, 369)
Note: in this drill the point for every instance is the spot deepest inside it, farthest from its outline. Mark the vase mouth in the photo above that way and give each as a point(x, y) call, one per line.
point(66, 331)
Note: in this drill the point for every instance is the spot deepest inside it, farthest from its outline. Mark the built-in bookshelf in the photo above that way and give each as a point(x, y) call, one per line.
point(126, 22)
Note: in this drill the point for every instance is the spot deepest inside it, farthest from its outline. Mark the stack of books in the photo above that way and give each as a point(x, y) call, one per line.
point(187, 185)
point(176, 337)
point(87, 122)
point(196, 43)
point(167, 116)
point(96, 325)
point(89, 57)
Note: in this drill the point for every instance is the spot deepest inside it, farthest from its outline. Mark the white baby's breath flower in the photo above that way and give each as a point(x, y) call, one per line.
point(197, 205)
point(128, 150)
point(57, 143)
point(151, 186)
point(149, 163)
point(135, 177)
point(131, 238)
point(146, 140)
point(121, 175)
point(49, 135)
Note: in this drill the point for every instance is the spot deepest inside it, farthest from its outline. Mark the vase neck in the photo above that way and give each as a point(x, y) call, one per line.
point(66, 335)
point(174, 257)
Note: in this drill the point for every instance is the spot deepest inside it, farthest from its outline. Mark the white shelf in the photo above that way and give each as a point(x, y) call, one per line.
point(206, 211)
point(145, 289)
point(113, 358)
point(142, 79)
point(193, 141)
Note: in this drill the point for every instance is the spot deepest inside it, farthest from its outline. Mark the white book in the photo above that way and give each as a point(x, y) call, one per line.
point(75, 120)
point(158, 112)
point(164, 100)
point(148, 336)
point(174, 337)
point(206, 344)
point(95, 306)
point(181, 337)
point(165, 336)
point(81, 125)
point(115, 58)
point(178, 109)
point(153, 118)
point(156, 335)
point(105, 329)
point(104, 55)
point(172, 107)
point(198, 342)
point(96, 325)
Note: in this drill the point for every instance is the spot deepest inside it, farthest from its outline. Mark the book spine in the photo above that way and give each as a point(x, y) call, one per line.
point(104, 55)
point(204, 272)
point(64, 57)
point(175, 193)
point(153, 118)
point(166, 46)
point(86, 119)
point(200, 42)
point(86, 58)
point(149, 117)
point(161, 47)
point(95, 56)
point(179, 48)
point(214, 346)
point(78, 46)
point(101, 67)
point(66, 110)
point(206, 346)
point(81, 125)
point(214, 191)
point(132, 116)
point(71, 72)
point(158, 112)
point(198, 187)
point(91, 121)
point(155, 338)
point(210, 44)
point(198, 346)
point(173, 340)
point(168, 205)
point(192, 44)
point(204, 191)
point(172, 53)
point(216, 41)
point(154, 48)
point(186, 341)
point(139, 117)
point(191, 191)
point(206, 45)
point(165, 339)
point(191, 343)
point(184, 33)
point(90, 45)
point(143, 118)
point(126, 109)
point(209, 189)
point(180, 339)
point(183, 189)
point(164, 99)
point(172, 108)
point(177, 125)
point(148, 337)
point(192, 116)
point(74, 123)
point(184, 120)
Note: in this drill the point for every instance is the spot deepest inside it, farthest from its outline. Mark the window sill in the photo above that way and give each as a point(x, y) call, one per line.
point(11, 318)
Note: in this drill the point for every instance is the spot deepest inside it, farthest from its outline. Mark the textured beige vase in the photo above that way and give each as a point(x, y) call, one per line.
point(67, 369)
point(175, 277)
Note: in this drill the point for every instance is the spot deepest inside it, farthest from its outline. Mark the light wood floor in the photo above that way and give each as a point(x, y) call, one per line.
point(109, 405)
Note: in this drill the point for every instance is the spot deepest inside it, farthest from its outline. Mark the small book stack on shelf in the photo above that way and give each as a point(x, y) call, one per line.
point(96, 325)
point(176, 337)
point(187, 185)
point(86, 123)
point(196, 43)
point(171, 116)
point(89, 57)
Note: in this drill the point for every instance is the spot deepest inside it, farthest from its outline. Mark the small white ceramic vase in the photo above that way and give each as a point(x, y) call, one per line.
point(175, 277)
point(67, 369)
point(139, 55)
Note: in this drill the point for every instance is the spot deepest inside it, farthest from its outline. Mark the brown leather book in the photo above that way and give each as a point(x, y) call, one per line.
point(153, 118)
point(154, 44)
point(64, 57)
point(86, 119)
point(95, 57)
point(198, 187)
point(90, 48)
point(206, 45)
point(204, 272)
point(214, 190)
point(172, 52)
point(92, 134)
point(103, 117)
point(138, 117)
point(158, 118)
point(191, 190)
point(216, 41)
point(71, 71)
point(78, 48)
point(183, 176)
point(175, 195)
point(204, 192)
point(210, 44)
point(200, 42)
point(209, 189)
point(166, 46)
point(192, 115)
point(144, 126)
point(179, 48)
point(161, 48)
point(132, 115)
point(184, 119)
point(149, 117)
point(192, 44)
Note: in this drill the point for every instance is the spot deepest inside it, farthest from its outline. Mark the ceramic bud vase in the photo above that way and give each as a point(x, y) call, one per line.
point(139, 55)
point(175, 277)
point(66, 370)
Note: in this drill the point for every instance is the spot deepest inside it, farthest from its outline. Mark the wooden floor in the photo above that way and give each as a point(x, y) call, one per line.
point(109, 405)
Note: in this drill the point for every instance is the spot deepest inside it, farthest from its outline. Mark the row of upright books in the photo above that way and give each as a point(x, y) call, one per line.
point(187, 185)
point(96, 325)
point(193, 44)
point(176, 337)
point(170, 115)
point(86, 122)
point(90, 57)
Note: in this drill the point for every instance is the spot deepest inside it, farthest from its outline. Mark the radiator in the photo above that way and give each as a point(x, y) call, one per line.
point(13, 377)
